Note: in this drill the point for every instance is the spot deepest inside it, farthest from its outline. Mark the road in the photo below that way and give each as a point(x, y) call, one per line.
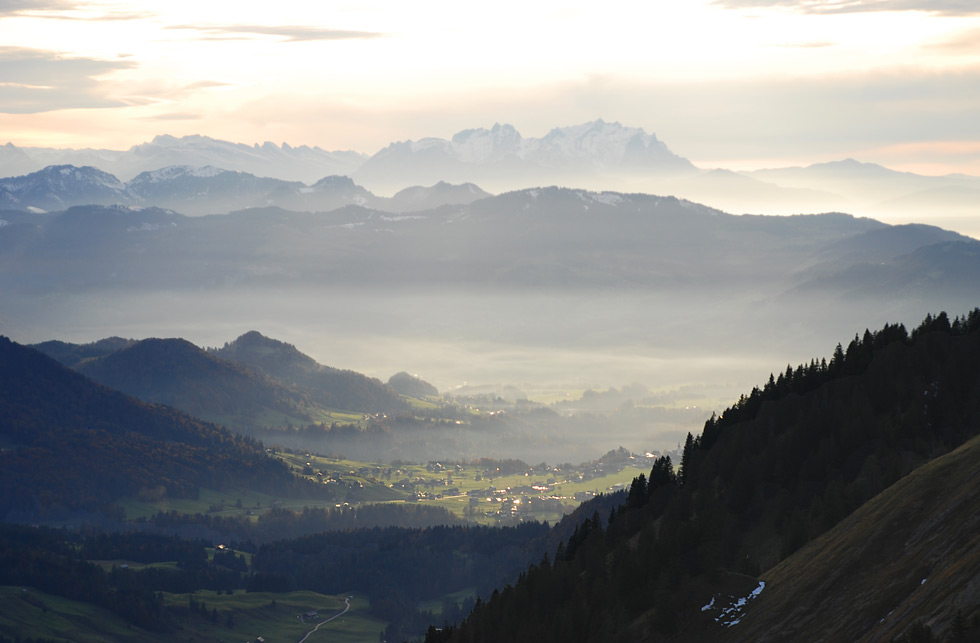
point(341, 613)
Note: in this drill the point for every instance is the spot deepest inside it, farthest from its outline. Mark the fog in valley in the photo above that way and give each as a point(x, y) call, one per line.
point(679, 355)
point(536, 302)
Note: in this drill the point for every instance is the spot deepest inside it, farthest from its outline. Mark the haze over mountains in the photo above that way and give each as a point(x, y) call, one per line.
point(551, 289)
point(595, 155)
point(210, 190)
point(548, 289)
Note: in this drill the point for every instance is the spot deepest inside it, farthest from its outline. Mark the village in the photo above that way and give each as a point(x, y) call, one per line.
point(487, 491)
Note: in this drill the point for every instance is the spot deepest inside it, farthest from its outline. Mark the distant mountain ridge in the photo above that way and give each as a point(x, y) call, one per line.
point(210, 190)
point(501, 155)
point(285, 162)
point(527, 239)
point(597, 155)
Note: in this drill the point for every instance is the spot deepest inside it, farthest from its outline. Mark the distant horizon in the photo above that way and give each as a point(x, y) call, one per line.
point(747, 165)
point(726, 83)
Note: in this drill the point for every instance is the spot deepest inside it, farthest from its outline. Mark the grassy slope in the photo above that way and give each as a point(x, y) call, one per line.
point(869, 570)
point(253, 615)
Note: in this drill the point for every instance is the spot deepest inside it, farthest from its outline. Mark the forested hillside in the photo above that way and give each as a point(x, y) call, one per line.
point(69, 444)
point(783, 465)
point(177, 373)
point(330, 387)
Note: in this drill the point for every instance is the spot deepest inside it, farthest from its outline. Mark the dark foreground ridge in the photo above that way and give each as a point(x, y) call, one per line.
point(780, 469)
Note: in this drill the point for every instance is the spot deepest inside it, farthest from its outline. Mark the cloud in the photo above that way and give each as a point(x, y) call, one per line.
point(175, 116)
point(942, 7)
point(805, 45)
point(30, 7)
point(289, 33)
point(33, 81)
point(964, 43)
point(809, 118)
point(64, 10)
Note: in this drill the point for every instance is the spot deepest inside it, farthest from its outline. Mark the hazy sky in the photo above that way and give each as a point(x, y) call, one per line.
point(732, 83)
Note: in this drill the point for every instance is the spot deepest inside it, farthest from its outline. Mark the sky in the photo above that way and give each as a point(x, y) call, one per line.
point(741, 84)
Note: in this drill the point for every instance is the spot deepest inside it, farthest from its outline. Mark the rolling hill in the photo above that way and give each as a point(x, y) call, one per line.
point(70, 445)
point(329, 387)
point(250, 383)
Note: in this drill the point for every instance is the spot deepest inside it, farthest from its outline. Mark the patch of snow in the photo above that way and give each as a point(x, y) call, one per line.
point(732, 614)
point(402, 217)
point(150, 227)
point(176, 171)
point(35, 210)
point(608, 198)
point(4, 222)
point(923, 582)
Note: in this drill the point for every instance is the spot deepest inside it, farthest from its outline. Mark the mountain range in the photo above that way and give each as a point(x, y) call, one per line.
point(209, 190)
point(550, 237)
point(546, 284)
point(596, 155)
point(301, 163)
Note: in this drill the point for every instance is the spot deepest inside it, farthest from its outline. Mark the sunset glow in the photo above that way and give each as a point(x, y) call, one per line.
point(738, 83)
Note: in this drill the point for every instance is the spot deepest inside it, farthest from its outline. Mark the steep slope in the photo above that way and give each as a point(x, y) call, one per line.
point(910, 554)
point(329, 387)
point(778, 469)
point(71, 444)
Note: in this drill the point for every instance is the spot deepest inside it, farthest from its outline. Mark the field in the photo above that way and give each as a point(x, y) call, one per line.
point(274, 617)
point(236, 617)
point(474, 492)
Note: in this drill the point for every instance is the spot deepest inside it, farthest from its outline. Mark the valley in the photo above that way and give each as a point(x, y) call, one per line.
point(211, 424)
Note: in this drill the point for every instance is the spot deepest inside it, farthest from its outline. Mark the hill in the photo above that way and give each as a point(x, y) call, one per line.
point(177, 373)
point(71, 445)
point(329, 387)
point(411, 385)
point(250, 383)
point(682, 560)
